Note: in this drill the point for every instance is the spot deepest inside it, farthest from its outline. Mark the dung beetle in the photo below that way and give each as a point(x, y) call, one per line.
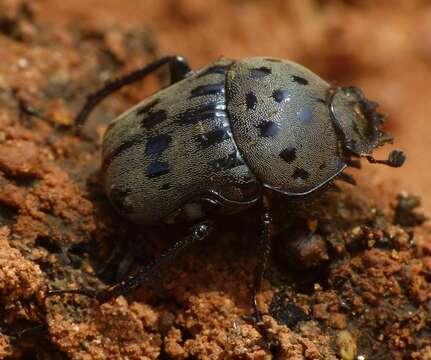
point(218, 139)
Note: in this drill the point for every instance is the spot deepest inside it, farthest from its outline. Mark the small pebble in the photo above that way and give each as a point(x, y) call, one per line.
point(346, 345)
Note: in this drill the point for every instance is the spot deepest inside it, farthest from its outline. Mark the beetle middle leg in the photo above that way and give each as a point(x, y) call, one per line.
point(178, 67)
point(264, 250)
point(197, 232)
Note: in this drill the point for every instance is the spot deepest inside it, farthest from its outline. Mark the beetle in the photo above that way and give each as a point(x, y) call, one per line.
point(217, 140)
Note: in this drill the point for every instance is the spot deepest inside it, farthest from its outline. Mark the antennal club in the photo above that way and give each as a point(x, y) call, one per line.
point(395, 159)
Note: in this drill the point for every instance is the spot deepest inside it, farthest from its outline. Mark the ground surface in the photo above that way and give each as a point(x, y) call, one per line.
point(352, 275)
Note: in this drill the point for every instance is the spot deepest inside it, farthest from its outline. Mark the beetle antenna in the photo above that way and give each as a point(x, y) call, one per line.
point(396, 158)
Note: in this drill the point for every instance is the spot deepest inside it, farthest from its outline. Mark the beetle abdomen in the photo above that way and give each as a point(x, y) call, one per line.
point(172, 146)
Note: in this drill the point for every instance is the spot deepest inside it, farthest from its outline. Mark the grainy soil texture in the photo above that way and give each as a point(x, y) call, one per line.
point(350, 276)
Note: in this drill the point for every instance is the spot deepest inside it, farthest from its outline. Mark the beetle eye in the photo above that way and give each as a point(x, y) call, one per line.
point(360, 117)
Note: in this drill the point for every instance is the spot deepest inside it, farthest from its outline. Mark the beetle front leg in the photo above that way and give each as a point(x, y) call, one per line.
point(197, 232)
point(178, 67)
point(264, 250)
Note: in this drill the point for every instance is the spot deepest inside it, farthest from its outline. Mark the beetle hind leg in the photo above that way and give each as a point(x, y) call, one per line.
point(178, 67)
point(197, 232)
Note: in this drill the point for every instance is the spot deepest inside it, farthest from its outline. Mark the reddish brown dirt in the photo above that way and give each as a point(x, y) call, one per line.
point(352, 275)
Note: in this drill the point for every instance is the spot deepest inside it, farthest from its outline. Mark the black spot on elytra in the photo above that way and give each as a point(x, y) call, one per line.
point(154, 119)
point(157, 144)
point(259, 73)
point(300, 80)
point(280, 95)
point(322, 166)
point(208, 89)
point(156, 169)
point(203, 112)
point(226, 163)
point(250, 100)
point(212, 137)
point(268, 128)
point(216, 69)
point(288, 154)
point(133, 141)
point(300, 174)
point(148, 107)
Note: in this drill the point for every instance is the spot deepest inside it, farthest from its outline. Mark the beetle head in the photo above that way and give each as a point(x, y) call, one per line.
point(357, 121)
